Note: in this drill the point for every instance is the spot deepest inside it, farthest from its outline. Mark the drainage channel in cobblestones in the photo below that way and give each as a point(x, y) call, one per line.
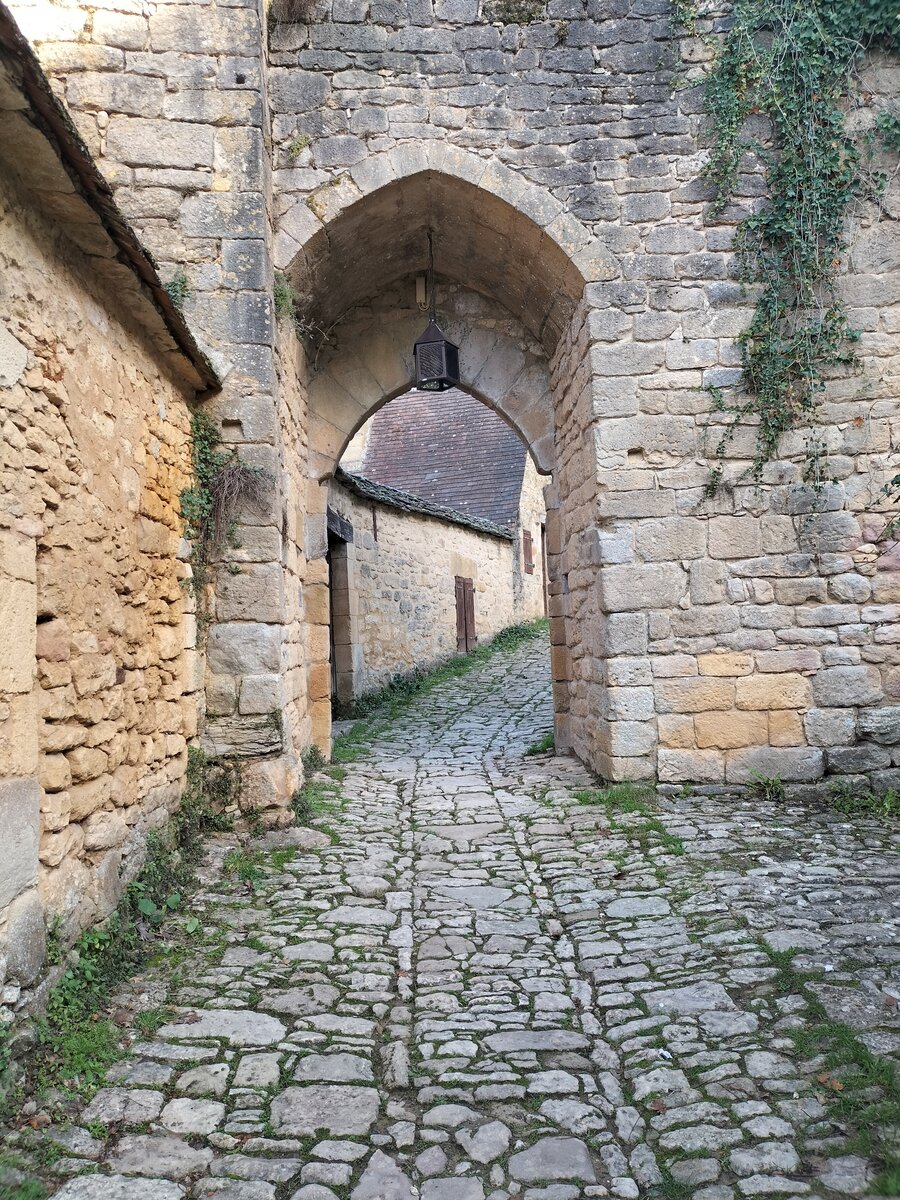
point(491, 979)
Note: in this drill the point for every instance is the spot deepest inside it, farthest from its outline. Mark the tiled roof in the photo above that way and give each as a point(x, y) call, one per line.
point(447, 447)
point(406, 502)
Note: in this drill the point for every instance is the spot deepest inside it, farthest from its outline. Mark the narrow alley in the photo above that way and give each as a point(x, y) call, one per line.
point(480, 976)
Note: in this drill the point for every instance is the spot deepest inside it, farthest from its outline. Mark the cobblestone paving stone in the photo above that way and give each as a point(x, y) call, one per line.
point(481, 987)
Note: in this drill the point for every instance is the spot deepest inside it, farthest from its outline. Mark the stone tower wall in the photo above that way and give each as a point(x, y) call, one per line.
point(693, 638)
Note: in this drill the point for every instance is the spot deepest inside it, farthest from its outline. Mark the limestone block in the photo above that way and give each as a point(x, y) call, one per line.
point(92, 673)
point(87, 763)
point(631, 738)
point(881, 725)
point(20, 823)
point(52, 641)
point(104, 829)
point(55, 774)
point(13, 358)
point(694, 695)
point(671, 538)
point(271, 783)
point(851, 588)
point(242, 736)
point(628, 672)
point(830, 726)
point(319, 681)
point(25, 938)
point(65, 890)
point(676, 732)
point(788, 660)
point(260, 694)
point(841, 686)
point(690, 766)
point(170, 641)
point(628, 703)
point(244, 648)
point(56, 811)
point(221, 695)
point(85, 798)
point(140, 142)
point(799, 765)
point(764, 692)
point(727, 663)
point(57, 846)
point(256, 594)
point(854, 760)
point(674, 666)
point(18, 619)
point(623, 633)
point(256, 543)
point(624, 588)
point(731, 730)
point(19, 735)
point(707, 582)
point(734, 537)
point(786, 728)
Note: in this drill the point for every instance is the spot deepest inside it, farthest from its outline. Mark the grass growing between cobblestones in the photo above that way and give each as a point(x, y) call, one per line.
point(632, 799)
point(395, 695)
point(861, 1089)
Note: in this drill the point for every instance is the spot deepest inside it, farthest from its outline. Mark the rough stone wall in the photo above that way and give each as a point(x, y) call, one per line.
point(402, 574)
point(170, 99)
point(99, 675)
point(575, 140)
point(528, 589)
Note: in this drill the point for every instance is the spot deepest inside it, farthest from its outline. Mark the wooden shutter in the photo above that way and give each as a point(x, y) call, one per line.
point(471, 635)
point(466, 638)
point(528, 551)
point(460, 615)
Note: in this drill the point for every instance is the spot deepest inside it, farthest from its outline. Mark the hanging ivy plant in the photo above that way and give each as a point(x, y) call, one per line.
point(791, 62)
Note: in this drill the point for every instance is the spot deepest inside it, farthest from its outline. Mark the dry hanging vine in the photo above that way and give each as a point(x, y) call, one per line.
point(792, 62)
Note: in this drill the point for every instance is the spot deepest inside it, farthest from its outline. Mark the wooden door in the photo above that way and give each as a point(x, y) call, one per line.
point(466, 638)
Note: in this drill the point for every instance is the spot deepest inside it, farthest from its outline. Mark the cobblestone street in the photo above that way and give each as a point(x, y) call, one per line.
point(480, 977)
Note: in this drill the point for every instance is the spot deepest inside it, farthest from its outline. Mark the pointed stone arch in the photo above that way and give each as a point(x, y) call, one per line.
point(349, 247)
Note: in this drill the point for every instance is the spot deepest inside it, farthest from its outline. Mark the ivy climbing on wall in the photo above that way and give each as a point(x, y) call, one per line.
point(793, 63)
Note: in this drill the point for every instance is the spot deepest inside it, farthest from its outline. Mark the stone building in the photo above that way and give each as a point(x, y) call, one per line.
point(556, 160)
point(442, 502)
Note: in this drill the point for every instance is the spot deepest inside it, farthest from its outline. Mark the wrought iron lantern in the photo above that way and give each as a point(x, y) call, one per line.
point(437, 358)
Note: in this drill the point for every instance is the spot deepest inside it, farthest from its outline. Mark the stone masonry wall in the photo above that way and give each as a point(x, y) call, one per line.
point(99, 676)
point(402, 574)
point(692, 637)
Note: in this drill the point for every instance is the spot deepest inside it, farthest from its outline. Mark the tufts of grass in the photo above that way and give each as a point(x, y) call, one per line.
point(633, 799)
point(317, 798)
point(542, 745)
point(885, 805)
point(388, 701)
point(764, 787)
point(280, 858)
point(245, 864)
point(313, 759)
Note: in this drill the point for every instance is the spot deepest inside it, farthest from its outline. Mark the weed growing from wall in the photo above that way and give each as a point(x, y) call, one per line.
point(179, 289)
point(792, 63)
point(222, 484)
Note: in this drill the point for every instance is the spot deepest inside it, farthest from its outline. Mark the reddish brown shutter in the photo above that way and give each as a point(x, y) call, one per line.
point(528, 551)
point(460, 615)
point(471, 635)
point(466, 638)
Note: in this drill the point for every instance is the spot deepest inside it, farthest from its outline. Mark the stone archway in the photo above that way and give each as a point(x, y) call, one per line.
point(351, 254)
